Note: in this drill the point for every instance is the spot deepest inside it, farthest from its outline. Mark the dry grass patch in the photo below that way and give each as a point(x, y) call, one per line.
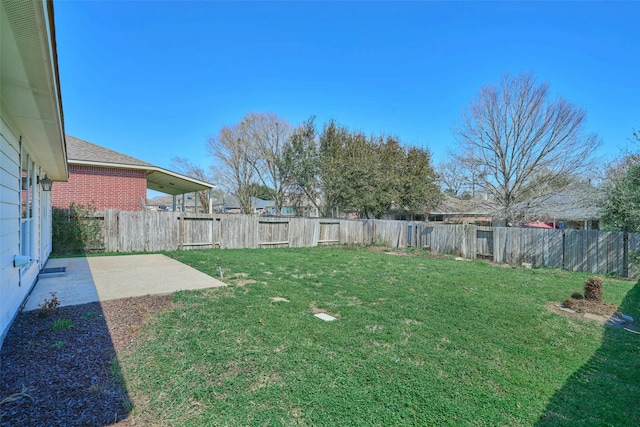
point(243, 282)
point(265, 380)
point(375, 328)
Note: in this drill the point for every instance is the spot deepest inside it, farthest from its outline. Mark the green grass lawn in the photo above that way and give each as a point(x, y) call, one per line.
point(418, 341)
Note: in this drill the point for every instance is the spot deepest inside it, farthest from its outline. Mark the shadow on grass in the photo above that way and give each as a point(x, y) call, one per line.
point(61, 369)
point(606, 390)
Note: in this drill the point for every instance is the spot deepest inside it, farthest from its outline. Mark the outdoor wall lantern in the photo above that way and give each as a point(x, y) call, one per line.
point(46, 183)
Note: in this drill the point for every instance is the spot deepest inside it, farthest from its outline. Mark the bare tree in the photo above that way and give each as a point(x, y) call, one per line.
point(453, 177)
point(186, 167)
point(267, 134)
point(233, 167)
point(522, 142)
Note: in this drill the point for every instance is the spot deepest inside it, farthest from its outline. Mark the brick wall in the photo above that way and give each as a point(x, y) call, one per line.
point(105, 188)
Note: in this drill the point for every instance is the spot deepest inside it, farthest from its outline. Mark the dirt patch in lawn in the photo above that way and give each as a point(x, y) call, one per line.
point(390, 251)
point(62, 369)
point(406, 252)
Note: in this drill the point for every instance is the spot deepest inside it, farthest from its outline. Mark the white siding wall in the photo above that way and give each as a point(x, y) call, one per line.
point(30, 120)
point(11, 294)
point(16, 283)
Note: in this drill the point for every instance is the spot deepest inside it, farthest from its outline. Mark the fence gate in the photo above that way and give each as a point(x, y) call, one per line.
point(484, 243)
point(273, 233)
point(329, 232)
point(199, 231)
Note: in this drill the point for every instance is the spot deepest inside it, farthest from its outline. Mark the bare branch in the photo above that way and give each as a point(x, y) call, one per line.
point(522, 141)
point(231, 150)
point(268, 134)
point(186, 167)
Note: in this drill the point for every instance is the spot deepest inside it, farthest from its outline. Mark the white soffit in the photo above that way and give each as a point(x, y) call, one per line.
point(28, 83)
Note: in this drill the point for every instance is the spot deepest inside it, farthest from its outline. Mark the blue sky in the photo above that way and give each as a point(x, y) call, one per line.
point(156, 79)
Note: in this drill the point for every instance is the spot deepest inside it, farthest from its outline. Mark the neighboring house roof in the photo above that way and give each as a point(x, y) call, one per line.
point(231, 202)
point(455, 206)
point(261, 204)
point(576, 202)
point(81, 152)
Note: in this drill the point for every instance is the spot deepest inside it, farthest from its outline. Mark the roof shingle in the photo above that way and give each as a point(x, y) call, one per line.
point(84, 151)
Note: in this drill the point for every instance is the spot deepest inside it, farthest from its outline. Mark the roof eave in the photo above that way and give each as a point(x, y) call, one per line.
point(158, 179)
point(31, 99)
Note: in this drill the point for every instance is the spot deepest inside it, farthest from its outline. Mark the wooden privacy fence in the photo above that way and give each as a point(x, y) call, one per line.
point(592, 251)
point(125, 231)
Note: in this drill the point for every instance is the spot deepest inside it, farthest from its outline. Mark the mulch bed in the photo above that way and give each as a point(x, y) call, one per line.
point(593, 307)
point(69, 376)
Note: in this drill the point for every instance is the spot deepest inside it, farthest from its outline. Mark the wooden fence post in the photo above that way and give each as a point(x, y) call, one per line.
point(180, 232)
point(564, 248)
point(625, 254)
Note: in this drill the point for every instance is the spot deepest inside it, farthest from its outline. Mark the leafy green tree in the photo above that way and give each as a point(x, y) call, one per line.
point(301, 159)
point(331, 174)
point(621, 208)
point(391, 165)
point(261, 191)
point(349, 168)
point(622, 205)
point(419, 191)
point(361, 177)
point(369, 176)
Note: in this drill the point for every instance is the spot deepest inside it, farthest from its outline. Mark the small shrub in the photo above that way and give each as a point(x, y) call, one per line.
point(89, 314)
point(49, 306)
point(576, 295)
point(61, 324)
point(76, 230)
point(593, 289)
point(57, 344)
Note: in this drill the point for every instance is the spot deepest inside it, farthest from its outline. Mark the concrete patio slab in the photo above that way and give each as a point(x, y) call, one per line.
point(112, 277)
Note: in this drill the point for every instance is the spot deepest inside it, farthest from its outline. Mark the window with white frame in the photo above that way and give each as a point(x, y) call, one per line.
point(27, 223)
